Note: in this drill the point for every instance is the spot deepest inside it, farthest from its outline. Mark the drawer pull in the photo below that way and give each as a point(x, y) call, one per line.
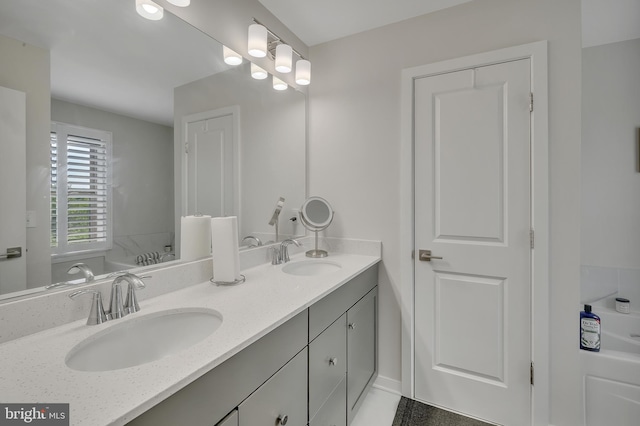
point(352, 326)
point(333, 361)
point(282, 420)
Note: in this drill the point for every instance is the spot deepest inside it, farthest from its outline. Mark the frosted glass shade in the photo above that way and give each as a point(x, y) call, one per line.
point(257, 44)
point(279, 84)
point(257, 72)
point(149, 10)
point(303, 72)
point(230, 56)
point(180, 3)
point(283, 58)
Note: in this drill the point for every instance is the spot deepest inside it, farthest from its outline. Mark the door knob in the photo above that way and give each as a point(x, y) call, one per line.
point(425, 256)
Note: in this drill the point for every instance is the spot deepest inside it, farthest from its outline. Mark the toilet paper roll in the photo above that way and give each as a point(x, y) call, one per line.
point(195, 237)
point(225, 249)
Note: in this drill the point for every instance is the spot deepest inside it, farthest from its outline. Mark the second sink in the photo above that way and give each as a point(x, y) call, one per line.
point(311, 267)
point(142, 340)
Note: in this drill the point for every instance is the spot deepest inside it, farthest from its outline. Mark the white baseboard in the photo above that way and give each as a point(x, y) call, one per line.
point(388, 385)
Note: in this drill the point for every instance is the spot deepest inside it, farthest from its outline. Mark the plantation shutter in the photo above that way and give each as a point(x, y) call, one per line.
point(80, 180)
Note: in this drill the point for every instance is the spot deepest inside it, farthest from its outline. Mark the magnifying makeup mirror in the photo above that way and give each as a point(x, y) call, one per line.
point(316, 215)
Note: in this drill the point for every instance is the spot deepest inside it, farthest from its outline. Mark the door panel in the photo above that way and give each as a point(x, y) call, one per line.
point(472, 208)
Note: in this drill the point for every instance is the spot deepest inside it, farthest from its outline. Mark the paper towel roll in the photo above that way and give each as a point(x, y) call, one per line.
point(195, 237)
point(225, 249)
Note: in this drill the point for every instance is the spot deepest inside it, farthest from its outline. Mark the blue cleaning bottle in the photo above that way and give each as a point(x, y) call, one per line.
point(589, 330)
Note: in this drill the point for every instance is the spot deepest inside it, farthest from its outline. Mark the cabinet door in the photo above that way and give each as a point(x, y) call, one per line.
point(230, 420)
point(281, 400)
point(327, 363)
point(362, 355)
point(333, 412)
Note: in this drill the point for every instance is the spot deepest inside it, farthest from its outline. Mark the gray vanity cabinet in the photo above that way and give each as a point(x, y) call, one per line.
point(281, 400)
point(332, 413)
point(362, 359)
point(230, 420)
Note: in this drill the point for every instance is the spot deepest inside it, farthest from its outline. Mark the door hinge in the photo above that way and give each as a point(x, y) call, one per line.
point(531, 102)
point(531, 373)
point(186, 147)
point(532, 238)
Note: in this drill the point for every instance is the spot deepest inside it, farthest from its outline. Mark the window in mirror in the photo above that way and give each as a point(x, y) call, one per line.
point(80, 189)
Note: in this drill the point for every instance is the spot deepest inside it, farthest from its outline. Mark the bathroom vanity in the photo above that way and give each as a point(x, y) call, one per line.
point(296, 342)
point(325, 355)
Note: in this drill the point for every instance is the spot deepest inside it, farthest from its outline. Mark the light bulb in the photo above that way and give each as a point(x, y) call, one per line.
point(303, 72)
point(279, 84)
point(283, 58)
point(149, 10)
point(231, 57)
point(257, 72)
point(257, 44)
point(180, 3)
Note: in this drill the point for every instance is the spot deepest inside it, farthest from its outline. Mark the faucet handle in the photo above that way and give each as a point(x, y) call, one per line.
point(97, 314)
point(131, 302)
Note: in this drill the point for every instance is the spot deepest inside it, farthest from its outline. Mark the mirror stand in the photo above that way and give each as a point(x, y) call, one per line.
point(316, 215)
point(317, 253)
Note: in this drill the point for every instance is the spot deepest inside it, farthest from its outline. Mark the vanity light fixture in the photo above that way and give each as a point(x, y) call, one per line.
point(257, 44)
point(303, 72)
point(180, 3)
point(283, 58)
point(279, 84)
point(150, 10)
point(230, 56)
point(257, 72)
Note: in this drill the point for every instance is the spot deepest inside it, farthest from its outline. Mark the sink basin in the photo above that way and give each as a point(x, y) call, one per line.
point(310, 267)
point(143, 340)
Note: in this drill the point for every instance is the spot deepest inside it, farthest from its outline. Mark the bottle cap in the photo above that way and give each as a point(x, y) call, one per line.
point(587, 308)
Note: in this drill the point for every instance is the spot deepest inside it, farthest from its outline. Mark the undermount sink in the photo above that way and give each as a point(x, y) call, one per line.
point(311, 267)
point(142, 340)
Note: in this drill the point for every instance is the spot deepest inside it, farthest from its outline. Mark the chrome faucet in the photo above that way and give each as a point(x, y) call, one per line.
point(97, 314)
point(284, 249)
point(251, 237)
point(117, 308)
point(82, 268)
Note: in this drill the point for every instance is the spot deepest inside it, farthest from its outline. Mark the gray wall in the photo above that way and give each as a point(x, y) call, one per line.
point(26, 68)
point(354, 150)
point(610, 150)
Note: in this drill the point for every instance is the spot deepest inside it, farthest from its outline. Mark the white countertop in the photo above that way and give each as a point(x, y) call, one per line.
point(33, 369)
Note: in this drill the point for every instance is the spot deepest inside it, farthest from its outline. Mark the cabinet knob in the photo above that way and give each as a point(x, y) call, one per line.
point(333, 361)
point(282, 420)
point(352, 325)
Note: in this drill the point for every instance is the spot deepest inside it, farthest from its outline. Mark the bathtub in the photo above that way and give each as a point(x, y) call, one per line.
point(611, 377)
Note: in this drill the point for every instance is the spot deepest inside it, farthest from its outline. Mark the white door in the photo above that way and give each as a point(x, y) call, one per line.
point(13, 232)
point(209, 167)
point(472, 209)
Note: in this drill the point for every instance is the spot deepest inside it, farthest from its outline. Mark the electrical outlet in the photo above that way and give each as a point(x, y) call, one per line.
point(31, 219)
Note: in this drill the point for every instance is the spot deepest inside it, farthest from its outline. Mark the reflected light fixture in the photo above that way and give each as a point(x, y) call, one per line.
point(230, 56)
point(257, 72)
point(257, 44)
point(150, 10)
point(180, 3)
point(279, 84)
point(303, 72)
point(283, 58)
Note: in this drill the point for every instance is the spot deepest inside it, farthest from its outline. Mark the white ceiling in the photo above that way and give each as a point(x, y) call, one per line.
point(315, 22)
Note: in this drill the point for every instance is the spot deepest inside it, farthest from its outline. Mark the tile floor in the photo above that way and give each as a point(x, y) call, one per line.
point(378, 409)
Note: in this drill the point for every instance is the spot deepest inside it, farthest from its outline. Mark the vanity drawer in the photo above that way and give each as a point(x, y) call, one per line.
point(327, 363)
point(325, 311)
point(334, 411)
point(284, 397)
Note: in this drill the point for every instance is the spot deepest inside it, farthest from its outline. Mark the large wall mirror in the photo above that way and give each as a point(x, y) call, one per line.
point(156, 92)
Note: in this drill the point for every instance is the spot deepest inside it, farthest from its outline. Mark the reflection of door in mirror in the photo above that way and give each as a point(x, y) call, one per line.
point(210, 164)
point(13, 275)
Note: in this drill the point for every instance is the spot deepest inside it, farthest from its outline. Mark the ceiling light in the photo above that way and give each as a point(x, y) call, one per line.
point(257, 72)
point(150, 10)
point(279, 84)
point(231, 57)
point(180, 3)
point(283, 58)
point(303, 72)
point(257, 44)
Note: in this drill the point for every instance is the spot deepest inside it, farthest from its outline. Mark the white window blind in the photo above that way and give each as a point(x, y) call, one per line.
point(80, 189)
